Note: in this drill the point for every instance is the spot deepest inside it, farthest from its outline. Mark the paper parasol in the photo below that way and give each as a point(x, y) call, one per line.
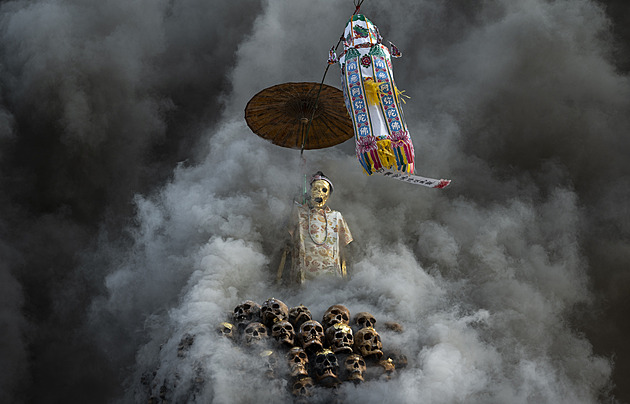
point(281, 114)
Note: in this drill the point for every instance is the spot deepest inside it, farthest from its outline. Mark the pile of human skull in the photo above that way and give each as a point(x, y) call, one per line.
point(324, 353)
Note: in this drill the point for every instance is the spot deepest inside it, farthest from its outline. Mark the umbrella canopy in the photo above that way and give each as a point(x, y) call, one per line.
point(282, 113)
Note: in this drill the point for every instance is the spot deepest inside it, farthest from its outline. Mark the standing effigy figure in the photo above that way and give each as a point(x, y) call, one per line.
point(318, 236)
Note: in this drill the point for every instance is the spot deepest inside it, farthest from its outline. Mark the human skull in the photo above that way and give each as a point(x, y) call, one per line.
point(226, 330)
point(336, 313)
point(255, 334)
point(311, 336)
point(320, 191)
point(245, 313)
point(399, 359)
point(354, 367)
point(364, 319)
point(298, 315)
point(339, 338)
point(368, 343)
point(303, 387)
point(326, 368)
point(298, 362)
point(283, 332)
point(270, 363)
point(273, 310)
point(387, 368)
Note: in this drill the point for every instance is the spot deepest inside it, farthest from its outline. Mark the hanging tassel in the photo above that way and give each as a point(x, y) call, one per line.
point(394, 50)
point(399, 95)
point(372, 91)
point(386, 153)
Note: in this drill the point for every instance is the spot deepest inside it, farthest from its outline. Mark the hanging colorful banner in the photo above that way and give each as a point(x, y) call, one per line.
point(373, 102)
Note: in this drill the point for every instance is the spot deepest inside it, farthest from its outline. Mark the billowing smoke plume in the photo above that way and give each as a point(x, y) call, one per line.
point(114, 251)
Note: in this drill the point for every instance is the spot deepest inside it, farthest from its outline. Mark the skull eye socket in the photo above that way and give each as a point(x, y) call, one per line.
point(339, 334)
point(361, 362)
point(324, 190)
point(319, 329)
point(307, 327)
point(302, 355)
point(247, 306)
point(275, 306)
point(320, 359)
point(367, 337)
point(344, 316)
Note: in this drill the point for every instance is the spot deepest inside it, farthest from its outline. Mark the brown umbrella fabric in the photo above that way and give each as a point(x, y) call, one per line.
point(281, 114)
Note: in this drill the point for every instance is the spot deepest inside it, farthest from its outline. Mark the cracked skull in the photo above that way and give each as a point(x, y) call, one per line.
point(311, 335)
point(226, 330)
point(364, 319)
point(354, 368)
point(336, 313)
point(273, 310)
point(298, 362)
point(326, 368)
point(255, 334)
point(298, 315)
point(245, 313)
point(303, 387)
point(339, 338)
point(368, 343)
point(283, 332)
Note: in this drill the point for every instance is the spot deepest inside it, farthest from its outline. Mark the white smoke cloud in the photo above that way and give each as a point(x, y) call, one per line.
point(518, 103)
point(481, 283)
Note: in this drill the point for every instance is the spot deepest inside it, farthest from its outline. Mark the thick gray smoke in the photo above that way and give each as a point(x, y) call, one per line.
point(112, 251)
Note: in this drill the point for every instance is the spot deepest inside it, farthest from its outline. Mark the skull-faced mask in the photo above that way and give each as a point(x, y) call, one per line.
point(255, 334)
point(368, 343)
point(320, 192)
point(337, 313)
point(273, 310)
point(298, 362)
point(283, 332)
point(339, 338)
point(364, 319)
point(298, 315)
point(311, 336)
point(354, 368)
point(326, 368)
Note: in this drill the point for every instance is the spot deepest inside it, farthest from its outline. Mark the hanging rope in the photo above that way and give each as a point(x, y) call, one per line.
point(357, 4)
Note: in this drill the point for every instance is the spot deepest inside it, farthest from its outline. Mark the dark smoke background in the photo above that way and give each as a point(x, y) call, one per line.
point(134, 199)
